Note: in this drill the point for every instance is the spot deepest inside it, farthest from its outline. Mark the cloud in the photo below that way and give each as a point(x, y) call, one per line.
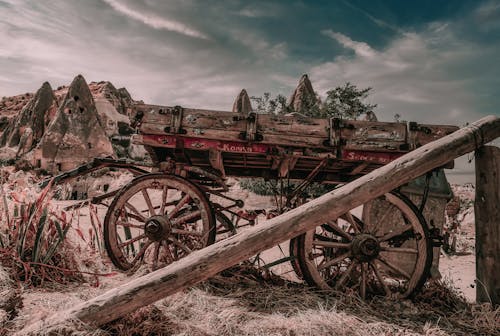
point(360, 48)
point(262, 10)
point(377, 21)
point(488, 14)
point(409, 77)
point(154, 21)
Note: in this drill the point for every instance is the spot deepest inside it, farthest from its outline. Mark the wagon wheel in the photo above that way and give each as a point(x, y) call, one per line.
point(225, 227)
point(389, 253)
point(293, 251)
point(157, 219)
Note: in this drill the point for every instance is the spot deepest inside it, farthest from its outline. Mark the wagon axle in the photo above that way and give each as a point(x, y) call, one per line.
point(365, 247)
point(157, 228)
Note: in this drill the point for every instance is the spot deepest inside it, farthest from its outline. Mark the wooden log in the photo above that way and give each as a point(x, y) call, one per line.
point(487, 215)
point(202, 264)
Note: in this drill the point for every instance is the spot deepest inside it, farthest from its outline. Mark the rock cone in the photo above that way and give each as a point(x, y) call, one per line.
point(27, 128)
point(303, 97)
point(242, 103)
point(76, 135)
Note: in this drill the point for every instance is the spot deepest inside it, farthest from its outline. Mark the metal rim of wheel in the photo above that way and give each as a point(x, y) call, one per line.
point(389, 255)
point(157, 219)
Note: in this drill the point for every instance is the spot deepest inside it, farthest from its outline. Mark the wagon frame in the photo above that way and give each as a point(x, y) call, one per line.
point(193, 152)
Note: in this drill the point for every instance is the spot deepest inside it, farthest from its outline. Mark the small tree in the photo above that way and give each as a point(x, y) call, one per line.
point(266, 104)
point(346, 102)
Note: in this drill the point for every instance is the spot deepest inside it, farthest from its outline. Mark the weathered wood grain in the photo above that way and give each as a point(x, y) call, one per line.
point(205, 263)
point(487, 216)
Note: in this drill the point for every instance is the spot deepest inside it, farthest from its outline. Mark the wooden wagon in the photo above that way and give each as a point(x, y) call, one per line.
point(162, 216)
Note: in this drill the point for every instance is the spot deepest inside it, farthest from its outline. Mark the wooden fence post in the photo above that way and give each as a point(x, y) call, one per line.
point(487, 214)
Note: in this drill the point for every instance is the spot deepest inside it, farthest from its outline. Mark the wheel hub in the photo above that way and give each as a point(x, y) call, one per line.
point(157, 227)
point(365, 247)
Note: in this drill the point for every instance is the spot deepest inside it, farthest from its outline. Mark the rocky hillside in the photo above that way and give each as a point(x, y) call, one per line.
point(59, 129)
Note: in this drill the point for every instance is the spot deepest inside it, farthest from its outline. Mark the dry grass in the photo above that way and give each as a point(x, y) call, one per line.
point(243, 302)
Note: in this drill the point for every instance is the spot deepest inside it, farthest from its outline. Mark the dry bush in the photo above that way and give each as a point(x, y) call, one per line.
point(33, 240)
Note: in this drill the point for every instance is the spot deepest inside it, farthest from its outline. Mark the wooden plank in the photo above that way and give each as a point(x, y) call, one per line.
point(358, 169)
point(292, 125)
point(216, 161)
point(487, 217)
point(205, 263)
point(421, 134)
point(369, 135)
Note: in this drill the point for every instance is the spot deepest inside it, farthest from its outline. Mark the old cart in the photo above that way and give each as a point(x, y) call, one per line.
point(162, 216)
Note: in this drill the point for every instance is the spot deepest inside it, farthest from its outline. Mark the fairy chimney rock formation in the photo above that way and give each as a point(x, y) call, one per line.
point(303, 97)
point(119, 98)
point(242, 103)
point(27, 128)
point(76, 135)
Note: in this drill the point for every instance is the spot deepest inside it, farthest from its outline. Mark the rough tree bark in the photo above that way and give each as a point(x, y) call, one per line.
point(205, 263)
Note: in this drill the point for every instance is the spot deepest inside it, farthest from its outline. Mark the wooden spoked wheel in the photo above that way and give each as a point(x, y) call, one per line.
point(388, 253)
point(157, 219)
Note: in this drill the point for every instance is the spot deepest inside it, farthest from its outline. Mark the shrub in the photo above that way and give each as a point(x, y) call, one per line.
point(273, 188)
point(32, 240)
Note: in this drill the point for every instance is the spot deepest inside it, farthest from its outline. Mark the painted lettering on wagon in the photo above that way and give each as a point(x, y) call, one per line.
point(236, 148)
point(376, 157)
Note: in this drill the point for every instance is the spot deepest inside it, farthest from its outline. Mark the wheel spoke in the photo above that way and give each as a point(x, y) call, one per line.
point(346, 275)
point(156, 255)
point(135, 211)
point(148, 202)
point(396, 233)
point(366, 217)
point(181, 220)
point(180, 244)
point(382, 220)
point(380, 279)
point(141, 252)
point(164, 195)
point(398, 250)
point(334, 261)
point(350, 219)
point(168, 251)
point(131, 241)
point(130, 225)
point(178, 206)
point(331, 244)
point(393, 267)
point(339, 231)
point(363, 280)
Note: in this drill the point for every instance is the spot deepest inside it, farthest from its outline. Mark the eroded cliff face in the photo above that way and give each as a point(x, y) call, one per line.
point(76, 134)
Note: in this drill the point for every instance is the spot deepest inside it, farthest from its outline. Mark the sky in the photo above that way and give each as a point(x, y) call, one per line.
point(430, 61)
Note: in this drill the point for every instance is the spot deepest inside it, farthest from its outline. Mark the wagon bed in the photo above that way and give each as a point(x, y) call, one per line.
point(272, 146)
